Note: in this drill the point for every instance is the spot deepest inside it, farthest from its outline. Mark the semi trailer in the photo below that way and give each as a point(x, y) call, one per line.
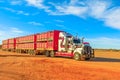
point(51, 43)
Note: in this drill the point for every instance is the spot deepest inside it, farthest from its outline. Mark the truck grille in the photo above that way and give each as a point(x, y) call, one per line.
point(87, 50)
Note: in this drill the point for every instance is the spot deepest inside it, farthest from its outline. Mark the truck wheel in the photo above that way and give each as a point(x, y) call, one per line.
point(87, 58)
point(51, 53)
point(47, 53)
point(77, 56)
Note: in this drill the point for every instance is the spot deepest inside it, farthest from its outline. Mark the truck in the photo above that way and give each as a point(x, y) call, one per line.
point(51, 43)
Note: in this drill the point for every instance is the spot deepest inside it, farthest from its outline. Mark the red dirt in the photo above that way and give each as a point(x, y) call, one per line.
point(15, 66)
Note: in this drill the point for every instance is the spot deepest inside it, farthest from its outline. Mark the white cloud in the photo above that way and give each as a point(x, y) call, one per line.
point(15, 2)
point(22, 12)
point(10, 32)
point(37, 3)
point(63, 27)
point(102, 10)
point(73, 2)
point(60, 25)
point(9, 9)
point(59, 21)
point(105, 42)
point(112, 18)
point(71, 8)
point(97, 8)
point(16, 30)
point(59, 9)
point(35, 23)
point(16, 11)
point(94, 8)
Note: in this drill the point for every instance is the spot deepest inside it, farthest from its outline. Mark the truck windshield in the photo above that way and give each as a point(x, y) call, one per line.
point(77, 41)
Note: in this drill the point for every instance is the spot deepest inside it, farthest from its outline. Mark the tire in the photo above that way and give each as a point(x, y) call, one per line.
point(29, 52)
point(93, 55)
point(87, 58)
point(52, 54)
point(35, 52)
point(77, 56)
point(47, 53)
point(32, 52)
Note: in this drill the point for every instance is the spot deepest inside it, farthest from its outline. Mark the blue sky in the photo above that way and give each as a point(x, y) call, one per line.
point(96, 20)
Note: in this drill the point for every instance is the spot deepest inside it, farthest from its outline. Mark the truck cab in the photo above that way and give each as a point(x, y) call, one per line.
point(74, 47)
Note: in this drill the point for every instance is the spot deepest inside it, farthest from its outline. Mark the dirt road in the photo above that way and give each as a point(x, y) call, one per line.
point(15, 66)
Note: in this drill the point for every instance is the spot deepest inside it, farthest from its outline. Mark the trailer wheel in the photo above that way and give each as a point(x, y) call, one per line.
point(32, 52)
point(52, 54)
point(29, 52)
point(77, 56)
point(35, 52)
point(47, 53)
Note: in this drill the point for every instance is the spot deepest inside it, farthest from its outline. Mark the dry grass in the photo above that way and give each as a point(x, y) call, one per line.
point(14, 66)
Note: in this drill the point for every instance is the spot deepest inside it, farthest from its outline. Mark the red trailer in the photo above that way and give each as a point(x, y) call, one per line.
point(48, 40)
point(25, 39)
point(4, 44)
point(25, 44)
point(4, 47)
point(9, 44)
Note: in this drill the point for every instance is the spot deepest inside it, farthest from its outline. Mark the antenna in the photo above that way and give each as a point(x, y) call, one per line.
point(82, 39)
point(76, 35)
